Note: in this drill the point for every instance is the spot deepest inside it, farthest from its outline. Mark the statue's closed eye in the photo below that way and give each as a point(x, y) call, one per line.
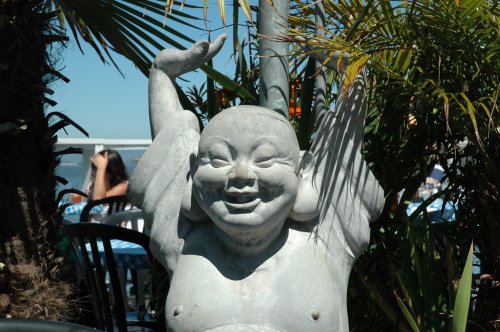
point(218, 161)
point(264, 161)
point(264, 155)
point(219, 155)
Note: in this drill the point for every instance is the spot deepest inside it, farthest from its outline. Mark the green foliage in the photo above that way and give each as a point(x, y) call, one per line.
point(433, 74)
point(462, 301)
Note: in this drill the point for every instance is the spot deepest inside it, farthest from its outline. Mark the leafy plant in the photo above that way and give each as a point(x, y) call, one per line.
point(433, 74)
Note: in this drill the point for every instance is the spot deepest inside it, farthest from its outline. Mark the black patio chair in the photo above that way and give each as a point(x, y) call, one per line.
point(114, 204)
point(93, 245)
point(131, 219)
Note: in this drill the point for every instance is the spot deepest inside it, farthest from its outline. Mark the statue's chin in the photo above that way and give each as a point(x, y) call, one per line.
point(247, 240)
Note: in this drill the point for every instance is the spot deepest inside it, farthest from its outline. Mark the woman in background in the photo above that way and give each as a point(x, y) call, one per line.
point(109, 176)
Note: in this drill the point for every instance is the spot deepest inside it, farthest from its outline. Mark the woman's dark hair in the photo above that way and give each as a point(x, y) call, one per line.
point(115, 171)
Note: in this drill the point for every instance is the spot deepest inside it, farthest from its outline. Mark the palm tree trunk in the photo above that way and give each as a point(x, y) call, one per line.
point(29, 287)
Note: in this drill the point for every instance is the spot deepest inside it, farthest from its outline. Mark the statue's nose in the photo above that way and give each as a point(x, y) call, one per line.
point(242, 177)
point(241, 170)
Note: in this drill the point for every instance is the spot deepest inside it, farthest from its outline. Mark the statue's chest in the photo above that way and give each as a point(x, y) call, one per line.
point(288, 292)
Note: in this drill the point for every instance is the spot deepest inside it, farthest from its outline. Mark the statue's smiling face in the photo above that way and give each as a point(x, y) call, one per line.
point(246, 175)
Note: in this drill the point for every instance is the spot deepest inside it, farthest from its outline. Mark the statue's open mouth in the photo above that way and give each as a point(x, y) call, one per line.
point(243, 201)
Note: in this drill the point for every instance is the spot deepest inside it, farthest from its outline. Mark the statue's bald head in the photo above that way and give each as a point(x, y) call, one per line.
point(250, 123)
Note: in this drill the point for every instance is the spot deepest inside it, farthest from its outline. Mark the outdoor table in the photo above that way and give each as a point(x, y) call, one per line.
point(128, 256)
point(72, 212)
point(76, 209)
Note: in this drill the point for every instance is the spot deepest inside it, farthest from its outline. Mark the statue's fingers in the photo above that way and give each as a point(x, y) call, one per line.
point(197, 52)
point(214, 48)
point(177, 62)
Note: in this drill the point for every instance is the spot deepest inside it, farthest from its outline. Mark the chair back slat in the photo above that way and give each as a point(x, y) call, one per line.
point(99, 274)
point(128, 216)
point(115, 284)
point(91, 279)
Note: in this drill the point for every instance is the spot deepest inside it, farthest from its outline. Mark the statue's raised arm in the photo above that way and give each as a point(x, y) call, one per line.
point(160, 182)
point(349, 194)
point(167, 66)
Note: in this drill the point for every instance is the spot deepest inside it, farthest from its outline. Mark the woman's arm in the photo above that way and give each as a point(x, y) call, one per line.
point(101, 163)
point(99, 184)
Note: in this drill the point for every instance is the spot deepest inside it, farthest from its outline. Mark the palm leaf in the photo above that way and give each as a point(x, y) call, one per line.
point(135, 29)
point(462, 300)
point(407, 315)
point(130, 27)
point(227, 83)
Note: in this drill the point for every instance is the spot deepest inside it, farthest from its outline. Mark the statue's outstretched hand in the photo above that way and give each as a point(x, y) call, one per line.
point(175, 62)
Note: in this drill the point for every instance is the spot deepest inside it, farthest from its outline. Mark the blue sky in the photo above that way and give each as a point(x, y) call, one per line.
point(104, 103)
point(99, 99)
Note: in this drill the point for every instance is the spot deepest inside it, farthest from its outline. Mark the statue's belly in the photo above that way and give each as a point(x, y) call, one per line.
point(294, 295)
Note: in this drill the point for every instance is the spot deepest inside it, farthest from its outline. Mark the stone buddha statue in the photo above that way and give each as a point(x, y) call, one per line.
point(255, 234)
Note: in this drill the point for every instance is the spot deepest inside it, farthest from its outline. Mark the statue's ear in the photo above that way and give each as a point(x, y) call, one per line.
point(189, 206)
point(306, 205)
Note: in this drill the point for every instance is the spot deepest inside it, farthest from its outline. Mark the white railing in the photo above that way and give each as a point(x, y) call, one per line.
point(98, 144)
